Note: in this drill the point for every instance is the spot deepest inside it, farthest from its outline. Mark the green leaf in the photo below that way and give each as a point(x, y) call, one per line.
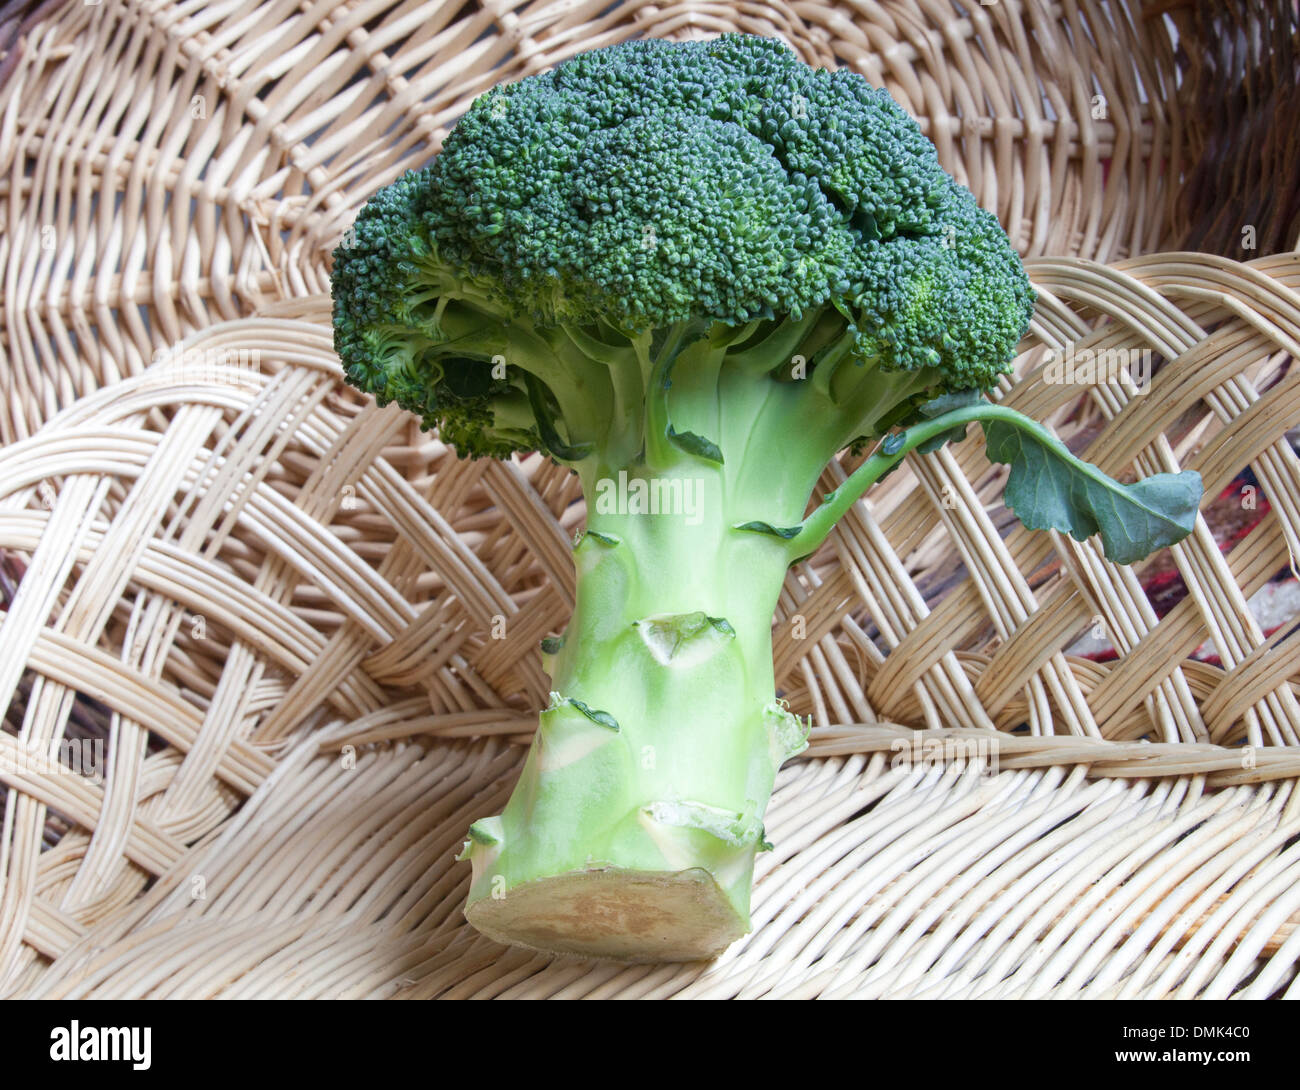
point(1049, 488)
point(695, 444)
point(551, 645)
point(722, 625)
point(480, 835)
point(784, 532)
point(903, 414)
point(946, 403)
point(604, 539)
point(556, 447)
point(603, 718)
point(888, 471)
point(936, 441)
point(894, 442)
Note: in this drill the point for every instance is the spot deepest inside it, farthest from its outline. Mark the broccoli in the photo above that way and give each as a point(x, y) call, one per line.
point(693, 273)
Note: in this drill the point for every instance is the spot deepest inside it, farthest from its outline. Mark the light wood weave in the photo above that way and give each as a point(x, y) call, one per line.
point(304, 634)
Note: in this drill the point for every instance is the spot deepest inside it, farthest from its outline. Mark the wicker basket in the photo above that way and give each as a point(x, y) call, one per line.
point(265, 611)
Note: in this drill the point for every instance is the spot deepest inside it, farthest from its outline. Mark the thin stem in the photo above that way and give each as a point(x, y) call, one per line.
point(696, 397)
point(818, 525)
point(777, 347)
point(621, 439)
point(658, 451)
point(581, 387)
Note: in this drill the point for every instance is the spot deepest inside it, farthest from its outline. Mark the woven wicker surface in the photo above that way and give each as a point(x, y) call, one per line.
point(303, 635)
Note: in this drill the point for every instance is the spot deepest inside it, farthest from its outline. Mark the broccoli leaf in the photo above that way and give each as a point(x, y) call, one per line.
point(551, 441)
point(596, 716)
point(481, 834)
point(1049, 488)
point(695, 444)
point(946, 403)
point(605, 539)
point(786, 532)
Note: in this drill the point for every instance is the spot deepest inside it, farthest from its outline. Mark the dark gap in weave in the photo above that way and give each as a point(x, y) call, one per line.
point(1262, 963)
point(56, 827)
point(1242, 101)
point(17, 17)
point(1280, 991)
point(863, 812)
point(83, 748)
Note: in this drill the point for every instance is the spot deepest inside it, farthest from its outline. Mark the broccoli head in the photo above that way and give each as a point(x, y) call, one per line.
point(654, 184)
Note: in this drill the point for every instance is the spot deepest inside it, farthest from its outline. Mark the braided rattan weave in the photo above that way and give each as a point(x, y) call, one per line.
point(273, 608)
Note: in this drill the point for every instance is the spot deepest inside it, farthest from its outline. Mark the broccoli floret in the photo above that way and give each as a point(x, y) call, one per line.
point(693, 272)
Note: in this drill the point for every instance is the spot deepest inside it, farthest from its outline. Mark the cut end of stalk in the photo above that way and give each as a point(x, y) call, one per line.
point(614, 915)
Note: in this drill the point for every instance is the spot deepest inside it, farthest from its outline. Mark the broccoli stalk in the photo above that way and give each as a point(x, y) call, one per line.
point(633, 829)
point(635, 824)
point(693, 273)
